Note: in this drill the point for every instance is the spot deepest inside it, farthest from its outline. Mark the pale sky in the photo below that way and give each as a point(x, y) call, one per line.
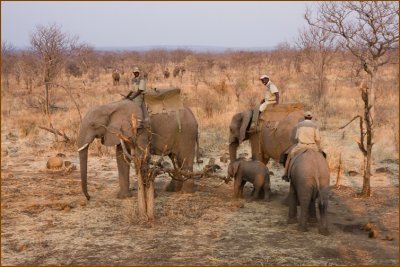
point(137, 23)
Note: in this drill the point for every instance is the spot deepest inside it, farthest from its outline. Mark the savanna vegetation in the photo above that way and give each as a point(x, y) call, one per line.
point(46, 90)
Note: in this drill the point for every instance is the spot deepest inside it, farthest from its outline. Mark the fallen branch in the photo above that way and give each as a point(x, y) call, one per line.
point(56, 132)
point(358, 116)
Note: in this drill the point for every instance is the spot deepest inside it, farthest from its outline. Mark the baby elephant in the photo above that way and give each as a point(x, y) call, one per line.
point(252, 171)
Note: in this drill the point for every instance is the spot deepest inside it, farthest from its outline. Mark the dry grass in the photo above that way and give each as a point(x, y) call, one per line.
point(47, 221)
point(212, 94)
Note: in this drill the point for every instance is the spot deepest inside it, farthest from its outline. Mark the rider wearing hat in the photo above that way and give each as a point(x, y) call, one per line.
point(307, 137)
point(138, 85)
point(271, 98)
point(138, 89)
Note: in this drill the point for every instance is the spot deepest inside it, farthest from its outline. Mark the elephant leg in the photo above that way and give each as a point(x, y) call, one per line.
point(255, 194)
point(292, 218)
point(323, 211)
point(123, 173)
point(188, 186)
point(261, 194)
point(304, 208)
point(312, 212)
point(252, 191)
point(236, 187)
point(174, 185)
point(187, 164)
point(267, 189)
point(241, 189)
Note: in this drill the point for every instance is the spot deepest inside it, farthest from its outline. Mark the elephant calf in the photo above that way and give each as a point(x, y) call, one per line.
point(252, 171)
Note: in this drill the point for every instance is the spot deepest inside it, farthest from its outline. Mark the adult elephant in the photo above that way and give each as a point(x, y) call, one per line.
point(307, 184)
point(270, 141)
point(169, 136)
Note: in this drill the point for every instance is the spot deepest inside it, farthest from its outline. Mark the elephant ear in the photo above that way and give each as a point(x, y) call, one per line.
point(120, 122)
point(247, 115)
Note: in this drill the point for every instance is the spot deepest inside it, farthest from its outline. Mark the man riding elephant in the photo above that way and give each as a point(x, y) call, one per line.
point(138, 90)
point(138, 85)
point(271, 98)
point(307, 137)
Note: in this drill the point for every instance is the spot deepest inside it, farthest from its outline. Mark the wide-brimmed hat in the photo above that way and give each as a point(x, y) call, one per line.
point(264, 77)
point(136, 69)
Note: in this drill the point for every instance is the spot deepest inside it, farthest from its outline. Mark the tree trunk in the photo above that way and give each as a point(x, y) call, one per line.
point(369, 114)
point(46, 96)
point(141, 195)
point(150, 199)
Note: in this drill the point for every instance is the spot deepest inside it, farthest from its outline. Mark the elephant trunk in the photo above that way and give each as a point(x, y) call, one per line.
point(83, 160)
point(232, 151)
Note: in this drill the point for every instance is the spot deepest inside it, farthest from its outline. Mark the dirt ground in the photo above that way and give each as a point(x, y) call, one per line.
point(46, 220)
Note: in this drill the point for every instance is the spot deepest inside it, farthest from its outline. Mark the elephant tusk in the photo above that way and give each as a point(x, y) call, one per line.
point(125, 150)
point(83, 147)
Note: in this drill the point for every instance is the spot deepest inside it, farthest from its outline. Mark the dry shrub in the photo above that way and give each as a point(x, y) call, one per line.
point(333, 155)
point(220, 87)
point(211, 95)
point(250, 100)
point(211, 103)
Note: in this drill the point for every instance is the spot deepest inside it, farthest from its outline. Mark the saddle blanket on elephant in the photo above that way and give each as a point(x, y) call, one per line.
point(278, 112)
point(294, 158)
point(297, 151)
point(163, 100)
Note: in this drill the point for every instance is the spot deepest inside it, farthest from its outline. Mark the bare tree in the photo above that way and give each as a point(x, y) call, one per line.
point(240, 86)
point(7, 62)
point(27, 69)
point(52, 46)
point(369, 30)
point(317, 47)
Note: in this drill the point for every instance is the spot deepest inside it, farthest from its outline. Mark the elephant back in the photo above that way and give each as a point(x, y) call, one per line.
point(164, 100)
point(280, 112)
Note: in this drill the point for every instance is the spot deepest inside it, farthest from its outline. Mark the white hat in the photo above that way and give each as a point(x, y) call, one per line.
point(264, 77)
point(136, 69)
point(308, 114)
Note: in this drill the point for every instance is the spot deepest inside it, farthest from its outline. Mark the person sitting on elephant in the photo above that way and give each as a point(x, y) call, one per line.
point(138, 85)
point(271, 98)
point(307, 137)
point(138, 90)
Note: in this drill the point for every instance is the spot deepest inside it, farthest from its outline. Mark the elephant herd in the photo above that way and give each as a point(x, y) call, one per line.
point(175, 135)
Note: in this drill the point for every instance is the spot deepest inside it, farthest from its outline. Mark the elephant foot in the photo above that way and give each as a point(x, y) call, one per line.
point(122, 195)
point(312, 220)
point(302, 228)
point(323, 231)
point(286, 201)
point(292, 220)
point(174, 186)
point(188, 187)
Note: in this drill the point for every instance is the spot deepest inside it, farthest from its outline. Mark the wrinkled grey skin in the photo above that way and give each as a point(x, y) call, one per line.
point(165, 140)
point(309, 182)
point(254, 172)
point(266, 144)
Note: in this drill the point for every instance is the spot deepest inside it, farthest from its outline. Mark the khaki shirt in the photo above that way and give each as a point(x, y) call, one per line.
point(308, 133)
point(138, 84)
point(270, 90)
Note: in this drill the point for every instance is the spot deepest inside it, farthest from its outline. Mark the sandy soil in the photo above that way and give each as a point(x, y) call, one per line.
point(46, 220)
